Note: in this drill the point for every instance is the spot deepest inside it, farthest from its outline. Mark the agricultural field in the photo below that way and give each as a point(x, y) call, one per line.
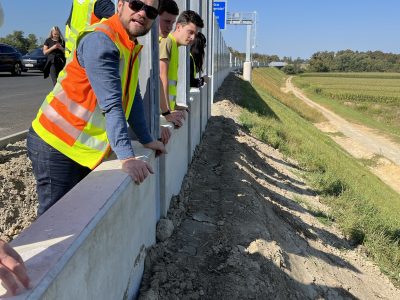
point(371, 99)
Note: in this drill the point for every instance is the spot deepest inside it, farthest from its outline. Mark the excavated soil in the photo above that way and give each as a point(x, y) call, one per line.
point(18, 199)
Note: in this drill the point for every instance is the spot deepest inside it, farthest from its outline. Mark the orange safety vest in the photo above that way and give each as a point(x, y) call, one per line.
point(70, 119)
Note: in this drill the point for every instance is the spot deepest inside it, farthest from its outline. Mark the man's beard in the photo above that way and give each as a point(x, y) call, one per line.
point(135, 32)
point(139, 32)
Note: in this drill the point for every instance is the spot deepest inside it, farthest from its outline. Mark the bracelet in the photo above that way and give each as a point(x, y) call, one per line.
point(168, 112)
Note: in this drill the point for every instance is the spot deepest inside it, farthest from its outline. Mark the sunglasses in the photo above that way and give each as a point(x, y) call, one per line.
point(138, 5)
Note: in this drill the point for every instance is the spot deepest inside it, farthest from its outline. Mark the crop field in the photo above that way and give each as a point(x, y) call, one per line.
point(372, 99)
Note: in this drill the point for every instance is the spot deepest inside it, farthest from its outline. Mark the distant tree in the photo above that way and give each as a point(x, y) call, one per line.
point(17, 40)
point(354, 61)
point(292, 69)
point(32, 41)
point(321, 61)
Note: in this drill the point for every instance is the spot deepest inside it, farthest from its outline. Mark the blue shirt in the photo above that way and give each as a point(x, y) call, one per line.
point(99, 56)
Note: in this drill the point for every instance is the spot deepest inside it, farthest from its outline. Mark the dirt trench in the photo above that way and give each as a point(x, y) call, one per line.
point(239, 234)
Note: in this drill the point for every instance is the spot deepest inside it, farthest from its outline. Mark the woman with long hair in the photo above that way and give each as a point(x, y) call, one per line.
point(54, 48)
point(197, 60)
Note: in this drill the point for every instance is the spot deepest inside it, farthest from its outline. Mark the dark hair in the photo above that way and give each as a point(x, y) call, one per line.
point(197, 50)
point(168, 6)
point(190, 16)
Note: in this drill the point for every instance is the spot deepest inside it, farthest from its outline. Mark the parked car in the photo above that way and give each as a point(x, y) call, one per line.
point(10, 60)
point(34, 60)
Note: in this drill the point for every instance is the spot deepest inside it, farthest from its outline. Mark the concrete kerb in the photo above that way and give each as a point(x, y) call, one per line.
point(13, 138)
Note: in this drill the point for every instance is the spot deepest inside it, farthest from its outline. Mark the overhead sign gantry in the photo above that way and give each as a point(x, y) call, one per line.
point(249, 19)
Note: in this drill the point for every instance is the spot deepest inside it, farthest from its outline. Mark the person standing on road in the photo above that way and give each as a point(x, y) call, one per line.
point(85, 115)
point(54, 48)
point(186, 28)
point(84, 13)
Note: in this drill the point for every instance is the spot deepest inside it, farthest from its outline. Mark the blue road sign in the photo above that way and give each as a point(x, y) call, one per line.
point(219, 8)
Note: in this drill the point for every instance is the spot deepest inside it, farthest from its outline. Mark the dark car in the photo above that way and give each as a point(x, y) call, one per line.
point(34, 60)
point(10, 60)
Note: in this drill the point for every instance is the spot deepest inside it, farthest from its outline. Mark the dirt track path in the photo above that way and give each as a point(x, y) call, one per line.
point(240, 235)
point(360, 141)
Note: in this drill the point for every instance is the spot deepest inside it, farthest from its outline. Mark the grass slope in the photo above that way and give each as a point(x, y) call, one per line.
point(365, 208)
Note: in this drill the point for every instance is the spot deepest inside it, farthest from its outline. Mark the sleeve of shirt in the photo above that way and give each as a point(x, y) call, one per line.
point(104, 9)
point(100, 58)
point(137, 119)
point(165, 46)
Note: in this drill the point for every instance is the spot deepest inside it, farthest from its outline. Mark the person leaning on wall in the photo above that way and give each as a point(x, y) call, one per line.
point(168, 12)
point(86, 114)
point(88, 12)
point(54, 48)
point(197, 54)
point(186, 28)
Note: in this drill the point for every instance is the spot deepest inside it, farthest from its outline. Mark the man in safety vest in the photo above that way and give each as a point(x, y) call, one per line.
point(86, 114)
point(186, 29)
point(84, 13)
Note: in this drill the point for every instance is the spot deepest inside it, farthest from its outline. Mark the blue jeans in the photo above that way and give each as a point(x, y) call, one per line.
point(55, 173)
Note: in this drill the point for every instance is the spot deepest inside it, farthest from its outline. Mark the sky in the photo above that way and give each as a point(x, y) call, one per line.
point(292, 28)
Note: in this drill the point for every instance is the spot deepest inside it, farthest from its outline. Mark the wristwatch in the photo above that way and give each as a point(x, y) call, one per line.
point(168, 112)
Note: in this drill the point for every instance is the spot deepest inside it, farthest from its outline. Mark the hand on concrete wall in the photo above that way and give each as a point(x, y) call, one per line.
point(12, 268)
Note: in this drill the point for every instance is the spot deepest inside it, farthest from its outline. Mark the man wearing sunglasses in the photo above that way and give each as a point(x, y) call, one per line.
point(186, 29)
point(85, 115)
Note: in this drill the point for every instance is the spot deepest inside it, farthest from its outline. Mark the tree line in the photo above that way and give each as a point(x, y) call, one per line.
point(329, 61)
point(354, 61)
point(322, 61)
point(19, 41)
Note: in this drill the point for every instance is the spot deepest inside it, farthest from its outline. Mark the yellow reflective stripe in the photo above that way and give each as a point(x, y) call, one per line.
point(98, 120)
point(83, 137)
point(57, 119)
point(73, 30)
point(172, 105)
point(92, 142)
point(73, 107)
point(172, 82)
point(87, 157)
point(172, 97)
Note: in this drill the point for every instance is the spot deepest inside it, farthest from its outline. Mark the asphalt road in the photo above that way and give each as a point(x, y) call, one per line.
point(20, 99)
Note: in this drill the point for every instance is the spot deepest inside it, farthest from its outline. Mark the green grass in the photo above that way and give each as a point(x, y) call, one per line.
point(371, 99)
point(365, 208)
